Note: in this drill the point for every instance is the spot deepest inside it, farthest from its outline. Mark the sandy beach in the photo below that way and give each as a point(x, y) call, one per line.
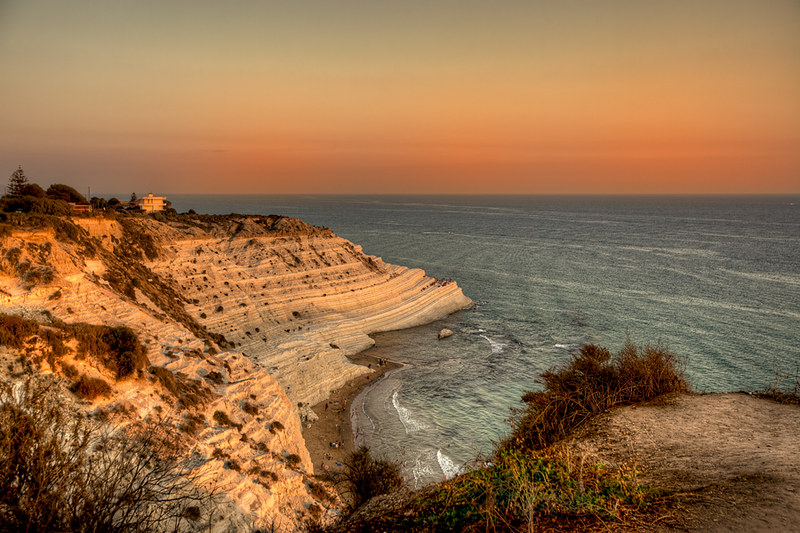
point(334, 424)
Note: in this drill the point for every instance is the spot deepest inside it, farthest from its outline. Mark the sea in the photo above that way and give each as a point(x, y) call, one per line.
point(715, 279)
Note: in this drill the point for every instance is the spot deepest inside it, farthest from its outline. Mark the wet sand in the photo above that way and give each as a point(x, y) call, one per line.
point(334, 424)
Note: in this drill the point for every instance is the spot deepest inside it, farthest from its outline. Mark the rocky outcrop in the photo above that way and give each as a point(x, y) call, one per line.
point(298, 304)
point(246, 321)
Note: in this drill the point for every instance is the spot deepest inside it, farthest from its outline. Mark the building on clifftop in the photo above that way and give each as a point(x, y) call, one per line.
point(151, 204)
point(81, 207)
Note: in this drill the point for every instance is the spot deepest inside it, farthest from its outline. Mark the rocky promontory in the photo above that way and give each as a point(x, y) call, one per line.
point(246, 321)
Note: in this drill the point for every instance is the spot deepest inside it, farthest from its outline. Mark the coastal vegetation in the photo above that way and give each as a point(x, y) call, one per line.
point(593, 382)
point(532, 481)
point(117, 349)
point(61, 471)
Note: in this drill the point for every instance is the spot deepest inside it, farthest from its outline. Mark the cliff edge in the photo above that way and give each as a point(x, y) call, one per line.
point(245, 321)
point(731, 462)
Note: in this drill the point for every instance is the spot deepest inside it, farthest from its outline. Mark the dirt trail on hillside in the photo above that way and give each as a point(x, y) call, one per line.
point(732, 461)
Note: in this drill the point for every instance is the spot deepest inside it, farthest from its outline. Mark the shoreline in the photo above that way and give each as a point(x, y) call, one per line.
point(334, 424)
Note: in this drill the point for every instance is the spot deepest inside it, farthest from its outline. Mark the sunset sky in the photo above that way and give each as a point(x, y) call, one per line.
point(563, 96)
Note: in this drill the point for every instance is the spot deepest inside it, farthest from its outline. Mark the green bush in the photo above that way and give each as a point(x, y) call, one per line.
point(59, 191)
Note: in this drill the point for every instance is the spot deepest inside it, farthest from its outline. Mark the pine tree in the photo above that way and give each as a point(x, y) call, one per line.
point(17, 183)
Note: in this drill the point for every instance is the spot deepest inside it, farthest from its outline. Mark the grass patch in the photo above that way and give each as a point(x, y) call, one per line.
point(520, 490)
point(785, 389)
point(117, 348)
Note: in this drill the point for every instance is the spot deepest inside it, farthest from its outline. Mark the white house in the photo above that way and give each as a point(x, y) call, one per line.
point(151, 204)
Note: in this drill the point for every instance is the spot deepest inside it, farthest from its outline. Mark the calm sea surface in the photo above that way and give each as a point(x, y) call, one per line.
point(715, 278)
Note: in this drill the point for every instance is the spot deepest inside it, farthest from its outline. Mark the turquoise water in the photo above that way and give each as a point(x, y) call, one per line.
point(715, 278)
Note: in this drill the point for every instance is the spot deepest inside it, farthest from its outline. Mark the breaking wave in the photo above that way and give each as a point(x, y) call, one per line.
point(497, 347)
point(449, 468)
point(409, 423)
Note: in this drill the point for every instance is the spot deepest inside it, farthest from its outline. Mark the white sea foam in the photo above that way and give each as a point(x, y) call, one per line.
point(497, 347)
point(449, 468)
point(409, 423)
point(565, 346)
point(422, 472)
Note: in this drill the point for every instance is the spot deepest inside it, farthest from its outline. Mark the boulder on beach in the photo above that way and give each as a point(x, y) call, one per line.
point(445, 333)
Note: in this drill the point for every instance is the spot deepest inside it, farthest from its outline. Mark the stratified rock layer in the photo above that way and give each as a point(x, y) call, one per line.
point(290, 299)
point(297, 305)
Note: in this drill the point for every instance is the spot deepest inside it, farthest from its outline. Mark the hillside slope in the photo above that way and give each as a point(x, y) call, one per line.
point(251, 316)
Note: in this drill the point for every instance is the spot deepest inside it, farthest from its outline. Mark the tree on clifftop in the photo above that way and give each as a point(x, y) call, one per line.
point(59, 191)
point(17, 183)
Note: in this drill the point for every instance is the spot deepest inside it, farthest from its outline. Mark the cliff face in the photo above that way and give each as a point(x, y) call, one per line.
point(296, 304)
point(250, 316)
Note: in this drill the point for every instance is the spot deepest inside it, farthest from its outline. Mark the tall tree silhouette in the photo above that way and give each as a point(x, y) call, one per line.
point(17, 183)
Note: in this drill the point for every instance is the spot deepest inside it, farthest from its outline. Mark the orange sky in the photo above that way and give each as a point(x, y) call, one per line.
point(403, 97)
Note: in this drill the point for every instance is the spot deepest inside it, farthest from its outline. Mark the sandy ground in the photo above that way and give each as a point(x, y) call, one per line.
point(334, 425)
point(731, 461)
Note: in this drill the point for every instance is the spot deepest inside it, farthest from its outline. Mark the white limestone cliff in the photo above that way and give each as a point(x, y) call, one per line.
point(290, 300)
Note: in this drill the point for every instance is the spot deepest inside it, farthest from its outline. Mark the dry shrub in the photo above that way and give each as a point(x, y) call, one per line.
point(786, 386)
point(214, 377)
point(250, 409)
point(222, 419)
point(69, 370)
point(15, 330)
point(61, 472)
point(293, 459)
point(593, 382)
point(193, 422)
point(319, 492)
point(118, 348)
point(90, 388)
point(166, 378)
point(190, 392)
point(365, 477)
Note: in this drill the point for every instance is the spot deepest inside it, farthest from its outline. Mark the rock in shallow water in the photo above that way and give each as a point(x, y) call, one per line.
point(445, 333)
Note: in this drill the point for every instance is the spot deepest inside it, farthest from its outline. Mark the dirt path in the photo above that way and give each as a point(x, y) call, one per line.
point(732, 460)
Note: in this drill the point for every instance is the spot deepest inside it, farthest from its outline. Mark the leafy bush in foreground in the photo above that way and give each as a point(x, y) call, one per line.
point(519, 491)
point(593, 382)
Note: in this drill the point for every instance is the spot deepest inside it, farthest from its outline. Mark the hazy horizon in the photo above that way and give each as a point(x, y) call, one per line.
point(355, 97)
